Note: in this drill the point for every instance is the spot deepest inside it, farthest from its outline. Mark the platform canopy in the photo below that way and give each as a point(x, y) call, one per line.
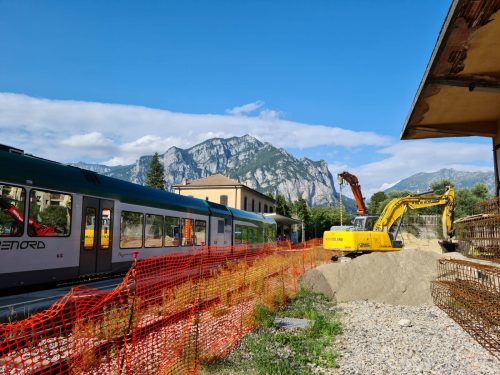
point(459, 94)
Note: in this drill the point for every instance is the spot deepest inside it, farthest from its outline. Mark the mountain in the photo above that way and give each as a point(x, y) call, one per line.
point(260, 166)
point(421, 181)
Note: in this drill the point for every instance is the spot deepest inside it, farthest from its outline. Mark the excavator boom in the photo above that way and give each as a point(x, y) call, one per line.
point(396, 208)
point(353, 182)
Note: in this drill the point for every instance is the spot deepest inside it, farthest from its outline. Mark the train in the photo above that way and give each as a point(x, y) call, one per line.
point(81, 224)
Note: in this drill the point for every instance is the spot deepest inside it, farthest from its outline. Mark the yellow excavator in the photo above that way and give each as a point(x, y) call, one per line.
point(378, 233)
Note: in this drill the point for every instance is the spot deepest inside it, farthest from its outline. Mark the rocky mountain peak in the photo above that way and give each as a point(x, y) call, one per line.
point(256, 164)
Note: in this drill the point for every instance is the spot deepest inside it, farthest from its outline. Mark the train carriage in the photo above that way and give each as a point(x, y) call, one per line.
point(80, 223)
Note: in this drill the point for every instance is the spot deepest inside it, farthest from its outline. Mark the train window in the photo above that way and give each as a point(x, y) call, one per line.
point(244, 234)
point(220, 226)
point(154, 231)
point(227, 221)
point(187, 232)
point(237, 234)
point(172, 231)
point(223, 200)
point(49, 213)
point(88, 242)
point(12, 201)
point(131, 224)
point(105, 228)
point(200, 232)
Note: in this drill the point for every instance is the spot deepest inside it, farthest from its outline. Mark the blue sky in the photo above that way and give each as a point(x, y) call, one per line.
point(333, 80)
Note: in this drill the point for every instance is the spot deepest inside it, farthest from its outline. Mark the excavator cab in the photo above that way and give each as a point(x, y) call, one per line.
point(364, 222)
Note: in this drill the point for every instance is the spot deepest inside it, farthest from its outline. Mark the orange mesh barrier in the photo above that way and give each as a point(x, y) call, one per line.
point(169, 314)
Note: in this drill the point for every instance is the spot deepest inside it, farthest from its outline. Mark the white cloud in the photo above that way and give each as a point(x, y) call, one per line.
point(57, 128)
point(409, 157)
point(88, 140)
point(246, 108)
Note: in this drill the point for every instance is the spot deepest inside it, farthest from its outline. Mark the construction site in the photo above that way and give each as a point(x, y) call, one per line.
point(458, 96)
point(400, 302)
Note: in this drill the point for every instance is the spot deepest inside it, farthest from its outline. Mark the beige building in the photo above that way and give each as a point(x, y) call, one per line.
point(221, 189)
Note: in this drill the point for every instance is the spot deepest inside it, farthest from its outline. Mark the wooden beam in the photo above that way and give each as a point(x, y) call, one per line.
point(472, 83)
point(479, 128)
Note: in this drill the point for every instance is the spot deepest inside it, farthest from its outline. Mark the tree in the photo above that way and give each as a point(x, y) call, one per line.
point(301, 210)
point(156, 173)
point(439, 187)
point(467, 199)
point(282, 207)
point(322, 218)
point(54, 216)
point(375, 201)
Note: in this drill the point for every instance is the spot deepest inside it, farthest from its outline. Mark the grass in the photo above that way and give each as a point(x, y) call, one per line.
point(270, 350)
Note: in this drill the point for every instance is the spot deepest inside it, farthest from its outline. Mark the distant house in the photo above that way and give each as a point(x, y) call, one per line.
point(221, 189)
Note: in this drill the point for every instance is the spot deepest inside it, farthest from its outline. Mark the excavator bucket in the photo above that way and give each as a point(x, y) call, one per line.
point(448, 246)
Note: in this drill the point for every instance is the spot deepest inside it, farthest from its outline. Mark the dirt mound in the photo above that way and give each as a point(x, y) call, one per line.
point(426, 241)
point(398, 278)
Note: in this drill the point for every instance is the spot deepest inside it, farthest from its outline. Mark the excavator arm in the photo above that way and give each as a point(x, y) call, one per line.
point(353, 182)
point(397, 207)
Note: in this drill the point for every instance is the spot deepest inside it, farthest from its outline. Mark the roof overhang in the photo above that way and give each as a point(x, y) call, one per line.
point(459, 94)
point(280, 219)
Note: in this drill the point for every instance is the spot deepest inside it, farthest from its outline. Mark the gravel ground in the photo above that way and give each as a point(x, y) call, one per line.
point(373, 342)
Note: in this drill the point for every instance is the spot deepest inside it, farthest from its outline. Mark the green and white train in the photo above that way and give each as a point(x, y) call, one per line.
point(81, 223)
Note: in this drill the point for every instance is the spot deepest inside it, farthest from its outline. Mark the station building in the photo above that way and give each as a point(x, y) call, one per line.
point(221, 189)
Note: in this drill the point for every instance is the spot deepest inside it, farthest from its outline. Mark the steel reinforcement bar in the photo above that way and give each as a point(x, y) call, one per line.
point(469, 292)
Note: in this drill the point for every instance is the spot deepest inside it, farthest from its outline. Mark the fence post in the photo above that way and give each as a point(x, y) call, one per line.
point(283, 295)
point(132, 308)
point(197, 310)
point(243, 288)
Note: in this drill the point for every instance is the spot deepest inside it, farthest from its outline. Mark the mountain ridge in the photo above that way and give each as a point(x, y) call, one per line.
point(420, 182)
point(259, 165)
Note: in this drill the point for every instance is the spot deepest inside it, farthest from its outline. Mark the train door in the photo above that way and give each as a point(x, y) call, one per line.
point(96, 235)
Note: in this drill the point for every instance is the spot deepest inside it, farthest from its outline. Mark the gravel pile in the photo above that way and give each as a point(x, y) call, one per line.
point(400, 278)
point(389, 339)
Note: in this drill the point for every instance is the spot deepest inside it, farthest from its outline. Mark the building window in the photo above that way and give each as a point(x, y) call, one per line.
point(223, 200)
point(220, 226)
point(245, 203)
point(271, 209)
point(265, 208)
point(260, 206)
point(253, 205)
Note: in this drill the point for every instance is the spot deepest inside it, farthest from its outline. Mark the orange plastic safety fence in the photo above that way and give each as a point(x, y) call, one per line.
point(169, 314)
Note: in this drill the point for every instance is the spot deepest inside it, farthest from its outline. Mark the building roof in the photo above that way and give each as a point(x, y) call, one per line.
point(459, 94)
point(213, 180)
point(217, 180)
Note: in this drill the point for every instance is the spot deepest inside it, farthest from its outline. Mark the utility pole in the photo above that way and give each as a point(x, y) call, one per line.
point(341, 182)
